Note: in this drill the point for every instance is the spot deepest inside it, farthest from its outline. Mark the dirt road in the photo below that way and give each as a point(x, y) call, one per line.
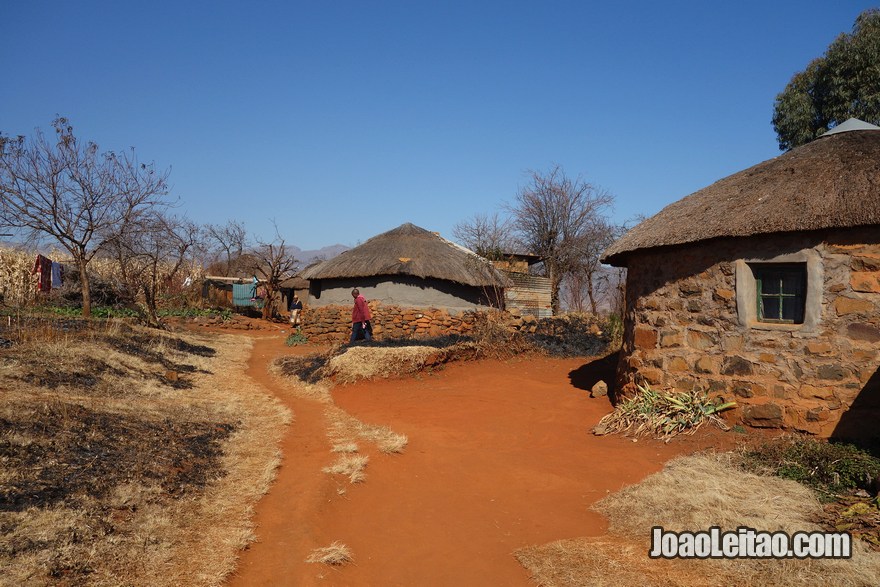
point(500, 456)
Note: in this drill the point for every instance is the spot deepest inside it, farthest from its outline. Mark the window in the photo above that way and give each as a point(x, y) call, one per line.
point(781, 292)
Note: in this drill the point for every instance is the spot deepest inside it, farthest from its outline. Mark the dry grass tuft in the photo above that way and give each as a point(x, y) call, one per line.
point(350, 465)
point(347, 447)
point(695, 493)
point(335, 554)
point(345, 428)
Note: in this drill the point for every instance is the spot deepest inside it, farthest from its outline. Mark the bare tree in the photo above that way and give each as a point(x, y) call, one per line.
point(230, 239)
point(151, 253)
point(73, 193)
point(573, 292)
point(586, 264)
point(563, 221)
point(272, 264)
point(488, 236)
point(611, 287)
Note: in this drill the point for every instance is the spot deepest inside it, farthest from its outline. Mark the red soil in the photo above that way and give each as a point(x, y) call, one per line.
point(500, 456)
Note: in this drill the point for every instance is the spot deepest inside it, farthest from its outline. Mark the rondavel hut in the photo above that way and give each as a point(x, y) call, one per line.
point(765, 288)
point(410, 267)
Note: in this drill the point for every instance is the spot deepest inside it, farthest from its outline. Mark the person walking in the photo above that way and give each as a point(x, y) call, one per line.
point(360, 318)
point(295, 308)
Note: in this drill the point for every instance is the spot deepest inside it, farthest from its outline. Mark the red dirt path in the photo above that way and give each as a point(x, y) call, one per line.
point(500, 456)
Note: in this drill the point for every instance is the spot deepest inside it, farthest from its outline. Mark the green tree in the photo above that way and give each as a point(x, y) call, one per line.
point(844, 83)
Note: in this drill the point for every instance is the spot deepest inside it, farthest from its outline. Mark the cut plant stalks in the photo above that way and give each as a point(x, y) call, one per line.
point(663, 414)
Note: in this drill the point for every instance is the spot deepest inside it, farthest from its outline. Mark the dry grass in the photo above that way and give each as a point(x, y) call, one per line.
point(345, 447)
point(365, 362)
point(335, 554)
point(351, 466)
point(343, 430)
point(145, 479)
point(695, 493)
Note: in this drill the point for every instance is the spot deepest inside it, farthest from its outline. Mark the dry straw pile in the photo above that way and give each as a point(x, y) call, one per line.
point(695, 493)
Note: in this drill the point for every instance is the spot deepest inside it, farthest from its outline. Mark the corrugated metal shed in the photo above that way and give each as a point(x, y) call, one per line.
point(244, 294)
point(529, 294)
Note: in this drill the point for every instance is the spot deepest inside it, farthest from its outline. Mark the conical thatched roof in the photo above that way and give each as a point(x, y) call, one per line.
point(832, 182)
point(409, 250)
point(295, 282)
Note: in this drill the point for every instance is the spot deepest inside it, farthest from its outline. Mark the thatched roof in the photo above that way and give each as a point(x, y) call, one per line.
point(832, 182)
point(295, 282)
point(409, 250)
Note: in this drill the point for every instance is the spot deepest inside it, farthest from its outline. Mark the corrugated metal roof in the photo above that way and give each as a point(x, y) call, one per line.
point(529, 294)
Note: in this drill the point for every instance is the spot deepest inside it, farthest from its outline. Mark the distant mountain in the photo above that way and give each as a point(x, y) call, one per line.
point(305, 258)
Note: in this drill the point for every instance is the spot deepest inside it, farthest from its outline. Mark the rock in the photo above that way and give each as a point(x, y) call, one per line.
point(645, 337)
point(767, 415)
point(736, 365)
point(600, 389)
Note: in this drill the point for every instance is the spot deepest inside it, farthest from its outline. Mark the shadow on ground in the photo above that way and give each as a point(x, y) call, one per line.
point(603, 369)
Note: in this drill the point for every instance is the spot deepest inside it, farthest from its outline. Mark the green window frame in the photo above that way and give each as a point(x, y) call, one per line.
point(781, 292)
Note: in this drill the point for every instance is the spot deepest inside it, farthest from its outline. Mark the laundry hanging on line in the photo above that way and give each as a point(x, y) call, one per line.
point(43, 270)
point(50, 274)
point(57, 275)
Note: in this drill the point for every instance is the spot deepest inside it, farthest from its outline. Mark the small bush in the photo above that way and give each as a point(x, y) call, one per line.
point(494, 338)
point(829, 467)
point(614, 328)
point(296, 338)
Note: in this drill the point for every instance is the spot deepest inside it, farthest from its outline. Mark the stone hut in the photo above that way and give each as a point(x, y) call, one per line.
point(765, 288)
point(291, 286)
point(410, 267)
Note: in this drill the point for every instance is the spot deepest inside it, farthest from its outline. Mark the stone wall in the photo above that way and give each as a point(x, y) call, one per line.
point(332, 324)
point(683, 330)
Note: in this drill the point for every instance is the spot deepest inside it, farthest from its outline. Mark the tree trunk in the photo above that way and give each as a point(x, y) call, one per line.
point(590, 294)
point(552, 273)
point(84, 284)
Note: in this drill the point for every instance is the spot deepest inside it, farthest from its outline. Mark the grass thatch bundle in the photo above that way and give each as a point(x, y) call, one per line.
point(364, 362)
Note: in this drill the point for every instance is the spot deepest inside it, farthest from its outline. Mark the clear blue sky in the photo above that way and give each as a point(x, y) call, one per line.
point(343, 119)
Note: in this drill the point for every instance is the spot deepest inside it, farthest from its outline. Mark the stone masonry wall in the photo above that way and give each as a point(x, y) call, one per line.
point(332, 324)
point(682, 331)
